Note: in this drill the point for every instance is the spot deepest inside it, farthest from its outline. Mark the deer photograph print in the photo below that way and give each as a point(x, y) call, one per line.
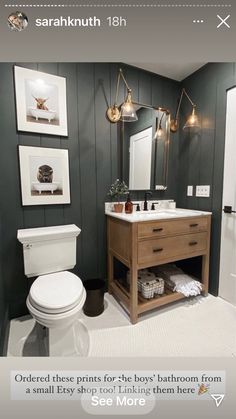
point(40, 102)
point(44, 176)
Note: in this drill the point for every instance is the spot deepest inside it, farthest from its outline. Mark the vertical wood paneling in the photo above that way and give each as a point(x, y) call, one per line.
point(170, 94)
point(72, 212)
point(53, 214)
point(157, 91)
point(114, 133)
point(10, 193)
point(4, 320)
point(87, 159)
point(202, 157)
point(103, 153)
point(224, 83)
point(208, 132)
point(145, 88)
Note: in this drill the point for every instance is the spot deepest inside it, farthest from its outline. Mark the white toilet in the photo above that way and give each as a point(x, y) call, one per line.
point(57, 295)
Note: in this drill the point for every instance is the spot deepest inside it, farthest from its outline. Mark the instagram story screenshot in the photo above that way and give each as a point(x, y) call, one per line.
point(117, 209)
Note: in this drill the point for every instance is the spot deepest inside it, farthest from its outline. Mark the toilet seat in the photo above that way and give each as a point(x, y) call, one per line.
point(56, 293)
point(57, 320)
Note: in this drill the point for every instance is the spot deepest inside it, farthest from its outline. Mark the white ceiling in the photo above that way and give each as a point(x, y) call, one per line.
point(175, 71)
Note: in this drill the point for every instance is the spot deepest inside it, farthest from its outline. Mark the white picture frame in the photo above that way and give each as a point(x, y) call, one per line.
point(41, 105)
point(44, 175)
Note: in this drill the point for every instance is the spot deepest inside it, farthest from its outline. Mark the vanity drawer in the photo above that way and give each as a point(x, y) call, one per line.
point(153, 250)
point(172, 227)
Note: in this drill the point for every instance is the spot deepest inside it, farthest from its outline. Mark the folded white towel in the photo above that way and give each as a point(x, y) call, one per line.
point(186, 285)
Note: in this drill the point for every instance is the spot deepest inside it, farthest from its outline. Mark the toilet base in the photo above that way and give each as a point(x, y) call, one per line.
point(68, 342)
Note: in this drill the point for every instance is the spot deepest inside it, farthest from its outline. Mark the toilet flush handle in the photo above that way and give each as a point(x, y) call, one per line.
point(28, 246)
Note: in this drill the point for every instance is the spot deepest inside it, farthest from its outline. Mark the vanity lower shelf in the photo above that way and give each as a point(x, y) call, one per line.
point(145, 304)
point(145, 244)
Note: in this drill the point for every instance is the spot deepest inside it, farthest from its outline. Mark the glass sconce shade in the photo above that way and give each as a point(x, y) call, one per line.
point(128, 112)
point(192, 121)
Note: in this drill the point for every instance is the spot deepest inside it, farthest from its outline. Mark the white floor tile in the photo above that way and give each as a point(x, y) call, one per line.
point(198, 327)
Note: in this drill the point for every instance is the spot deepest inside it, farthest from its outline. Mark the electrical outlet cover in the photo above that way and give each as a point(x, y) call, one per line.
point(190, 190)
point(203, 191)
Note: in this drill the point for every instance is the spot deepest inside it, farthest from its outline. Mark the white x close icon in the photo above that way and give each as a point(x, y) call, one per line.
point(223, 21)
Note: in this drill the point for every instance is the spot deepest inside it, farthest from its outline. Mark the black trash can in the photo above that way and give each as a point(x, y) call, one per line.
point(94, 304)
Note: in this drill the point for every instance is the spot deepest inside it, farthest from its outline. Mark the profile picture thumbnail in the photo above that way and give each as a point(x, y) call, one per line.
point(17, 21)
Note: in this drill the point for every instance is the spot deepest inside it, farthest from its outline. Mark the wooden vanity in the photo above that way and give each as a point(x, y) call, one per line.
point(143, 244)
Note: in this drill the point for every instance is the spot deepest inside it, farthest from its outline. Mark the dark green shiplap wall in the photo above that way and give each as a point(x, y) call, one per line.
point(93, 145)
point(4, 320)
point(201, 156)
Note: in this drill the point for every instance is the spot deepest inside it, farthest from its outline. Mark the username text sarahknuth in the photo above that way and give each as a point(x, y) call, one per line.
point(69, 21)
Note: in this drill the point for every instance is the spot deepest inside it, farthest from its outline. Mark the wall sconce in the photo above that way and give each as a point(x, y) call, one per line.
point(126, 111)
point(192, 121)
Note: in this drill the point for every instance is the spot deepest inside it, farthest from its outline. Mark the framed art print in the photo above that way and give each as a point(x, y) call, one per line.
point(44, 174)
point(41, 105)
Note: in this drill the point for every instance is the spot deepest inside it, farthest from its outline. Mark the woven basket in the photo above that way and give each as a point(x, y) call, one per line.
point(150, 288)
point(159, 286)
point(149, 284)
point(143, 275)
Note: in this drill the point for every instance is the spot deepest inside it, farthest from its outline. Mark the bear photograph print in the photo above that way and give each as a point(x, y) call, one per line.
point(44, 176)
point(40, 102)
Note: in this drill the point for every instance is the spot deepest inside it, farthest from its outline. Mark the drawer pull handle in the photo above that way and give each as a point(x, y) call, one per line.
point(192, 243)
point(157, 250)
point(193, 225)
point(157, 229)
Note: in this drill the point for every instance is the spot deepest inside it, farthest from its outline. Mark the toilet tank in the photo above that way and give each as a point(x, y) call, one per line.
point(48, 249)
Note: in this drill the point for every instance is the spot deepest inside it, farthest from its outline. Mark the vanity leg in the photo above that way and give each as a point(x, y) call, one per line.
point(206, 261)
point(133, 295)
point(134, 275)
point(110, 271)
point(205, 274)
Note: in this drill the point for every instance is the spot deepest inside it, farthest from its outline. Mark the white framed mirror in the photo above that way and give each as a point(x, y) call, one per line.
point(144, 151)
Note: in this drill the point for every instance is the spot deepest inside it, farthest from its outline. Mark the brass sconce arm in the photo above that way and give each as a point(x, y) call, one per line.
point(174, 125)
point(120, 75)
point(125, 111)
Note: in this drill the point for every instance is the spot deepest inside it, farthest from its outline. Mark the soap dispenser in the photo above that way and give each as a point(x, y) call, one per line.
point(128, 205)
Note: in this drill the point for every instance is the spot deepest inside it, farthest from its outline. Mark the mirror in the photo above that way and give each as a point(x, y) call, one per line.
point(145, 149)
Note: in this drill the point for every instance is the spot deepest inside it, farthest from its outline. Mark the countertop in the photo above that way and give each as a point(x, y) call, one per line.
point(160, 214)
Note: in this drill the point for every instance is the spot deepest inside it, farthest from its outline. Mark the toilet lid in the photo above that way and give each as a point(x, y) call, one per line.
point(57, 292)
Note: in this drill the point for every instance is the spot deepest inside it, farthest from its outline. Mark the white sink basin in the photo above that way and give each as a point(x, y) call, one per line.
point(153, 213)
point(160, 214)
